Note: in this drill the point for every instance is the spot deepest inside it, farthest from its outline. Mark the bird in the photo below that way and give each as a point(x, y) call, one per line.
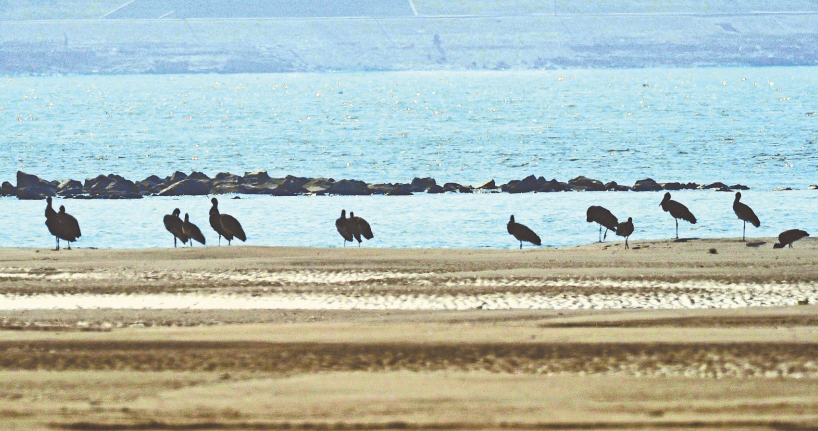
point(625, 229)
point(357, 227)
point(603, 217)
point(788, 237)
point(744, 213)
point(341, 226)
point(677, 211)
point(62, 225)
point(192, 231)
point(225, 225)
point(175, 226)
point(522, 233)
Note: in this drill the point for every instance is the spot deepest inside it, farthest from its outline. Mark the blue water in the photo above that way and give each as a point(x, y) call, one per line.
point(452, 220)
point(736, 125)
point(753, 126)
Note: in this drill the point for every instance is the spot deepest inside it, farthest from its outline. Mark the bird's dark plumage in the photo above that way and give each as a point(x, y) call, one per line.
point(341, 226)
point(225, 225)
point(357, 227)
point(602, 216)
point(175, 226)
point(62, 225)
point(677, 211)
point(192, 231)
point(789, 236)
point(625, 229)
point(745, 213)
point(522, 233)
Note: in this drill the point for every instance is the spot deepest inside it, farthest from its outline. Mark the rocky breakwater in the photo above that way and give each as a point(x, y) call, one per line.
point(260, 183)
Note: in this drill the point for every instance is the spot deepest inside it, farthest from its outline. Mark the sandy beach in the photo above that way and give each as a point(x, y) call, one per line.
point(670, 334)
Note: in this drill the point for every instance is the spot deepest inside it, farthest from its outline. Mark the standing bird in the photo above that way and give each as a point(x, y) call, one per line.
point(192, 231)
point(357, 227)
point(341, 226)
point(744, 213)
point(677, 211)
point(225, 225)
point(70, 226)
point(625, 229)
point(175, 226)
point(788, 237)
point(522, 233)
point(603, 217)
point(61, 225)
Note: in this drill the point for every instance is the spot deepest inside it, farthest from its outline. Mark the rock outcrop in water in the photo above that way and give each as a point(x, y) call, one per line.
point(259, 182)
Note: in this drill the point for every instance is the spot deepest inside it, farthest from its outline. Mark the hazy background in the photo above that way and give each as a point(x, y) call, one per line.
point(175, 36)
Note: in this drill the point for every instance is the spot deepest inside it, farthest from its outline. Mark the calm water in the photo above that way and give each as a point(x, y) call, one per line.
point(754, 126)
point(454, 220)
point(736, 125)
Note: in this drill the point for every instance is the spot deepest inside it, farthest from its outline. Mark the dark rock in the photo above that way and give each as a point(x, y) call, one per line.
point(614, 187)
point(293, 185)
point(454, 187)
point(782, 189)
point(555, 186)
point(33, 187)
point(349, 188)
point(738, 187)
point(69, 188)
point(526, 185)
point(225, 182)
point(810, 187)
point(227, 176)
point(401, 190)
point(690, 186)
point(488, 185)
point(256, 177)
point(175, 178)
point(318, 185)
point(7, 189)
point(186, 187)
point(111, 187)
point(435, 189)
point(672, 186)
point(646, 185)
point(151, 185)
point(298, 181)
point(198, 176)
point(422, 184)
point(269, 188)
point(716, 185)
point(587, 183)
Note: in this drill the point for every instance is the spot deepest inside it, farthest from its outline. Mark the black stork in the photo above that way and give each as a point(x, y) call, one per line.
point(677, 211)
point(744, 213)
point(603, 217)
point(522, 233)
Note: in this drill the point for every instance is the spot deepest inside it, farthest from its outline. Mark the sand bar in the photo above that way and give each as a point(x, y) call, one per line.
point(645, 367)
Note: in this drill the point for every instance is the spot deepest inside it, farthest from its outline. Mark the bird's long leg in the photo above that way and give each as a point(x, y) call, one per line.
point(604, 237)
point(677, 228)
point(521, 245)
point(626, 242)
point(69, 245)
point(743, 230)
point(600, 233)
point(220, 240)
point(58, 244)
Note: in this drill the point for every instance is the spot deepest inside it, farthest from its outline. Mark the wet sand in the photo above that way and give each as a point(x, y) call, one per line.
point(743, 366)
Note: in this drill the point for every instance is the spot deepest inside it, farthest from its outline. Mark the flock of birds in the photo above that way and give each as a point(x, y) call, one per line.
point(64, 226)
point(677, 210)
